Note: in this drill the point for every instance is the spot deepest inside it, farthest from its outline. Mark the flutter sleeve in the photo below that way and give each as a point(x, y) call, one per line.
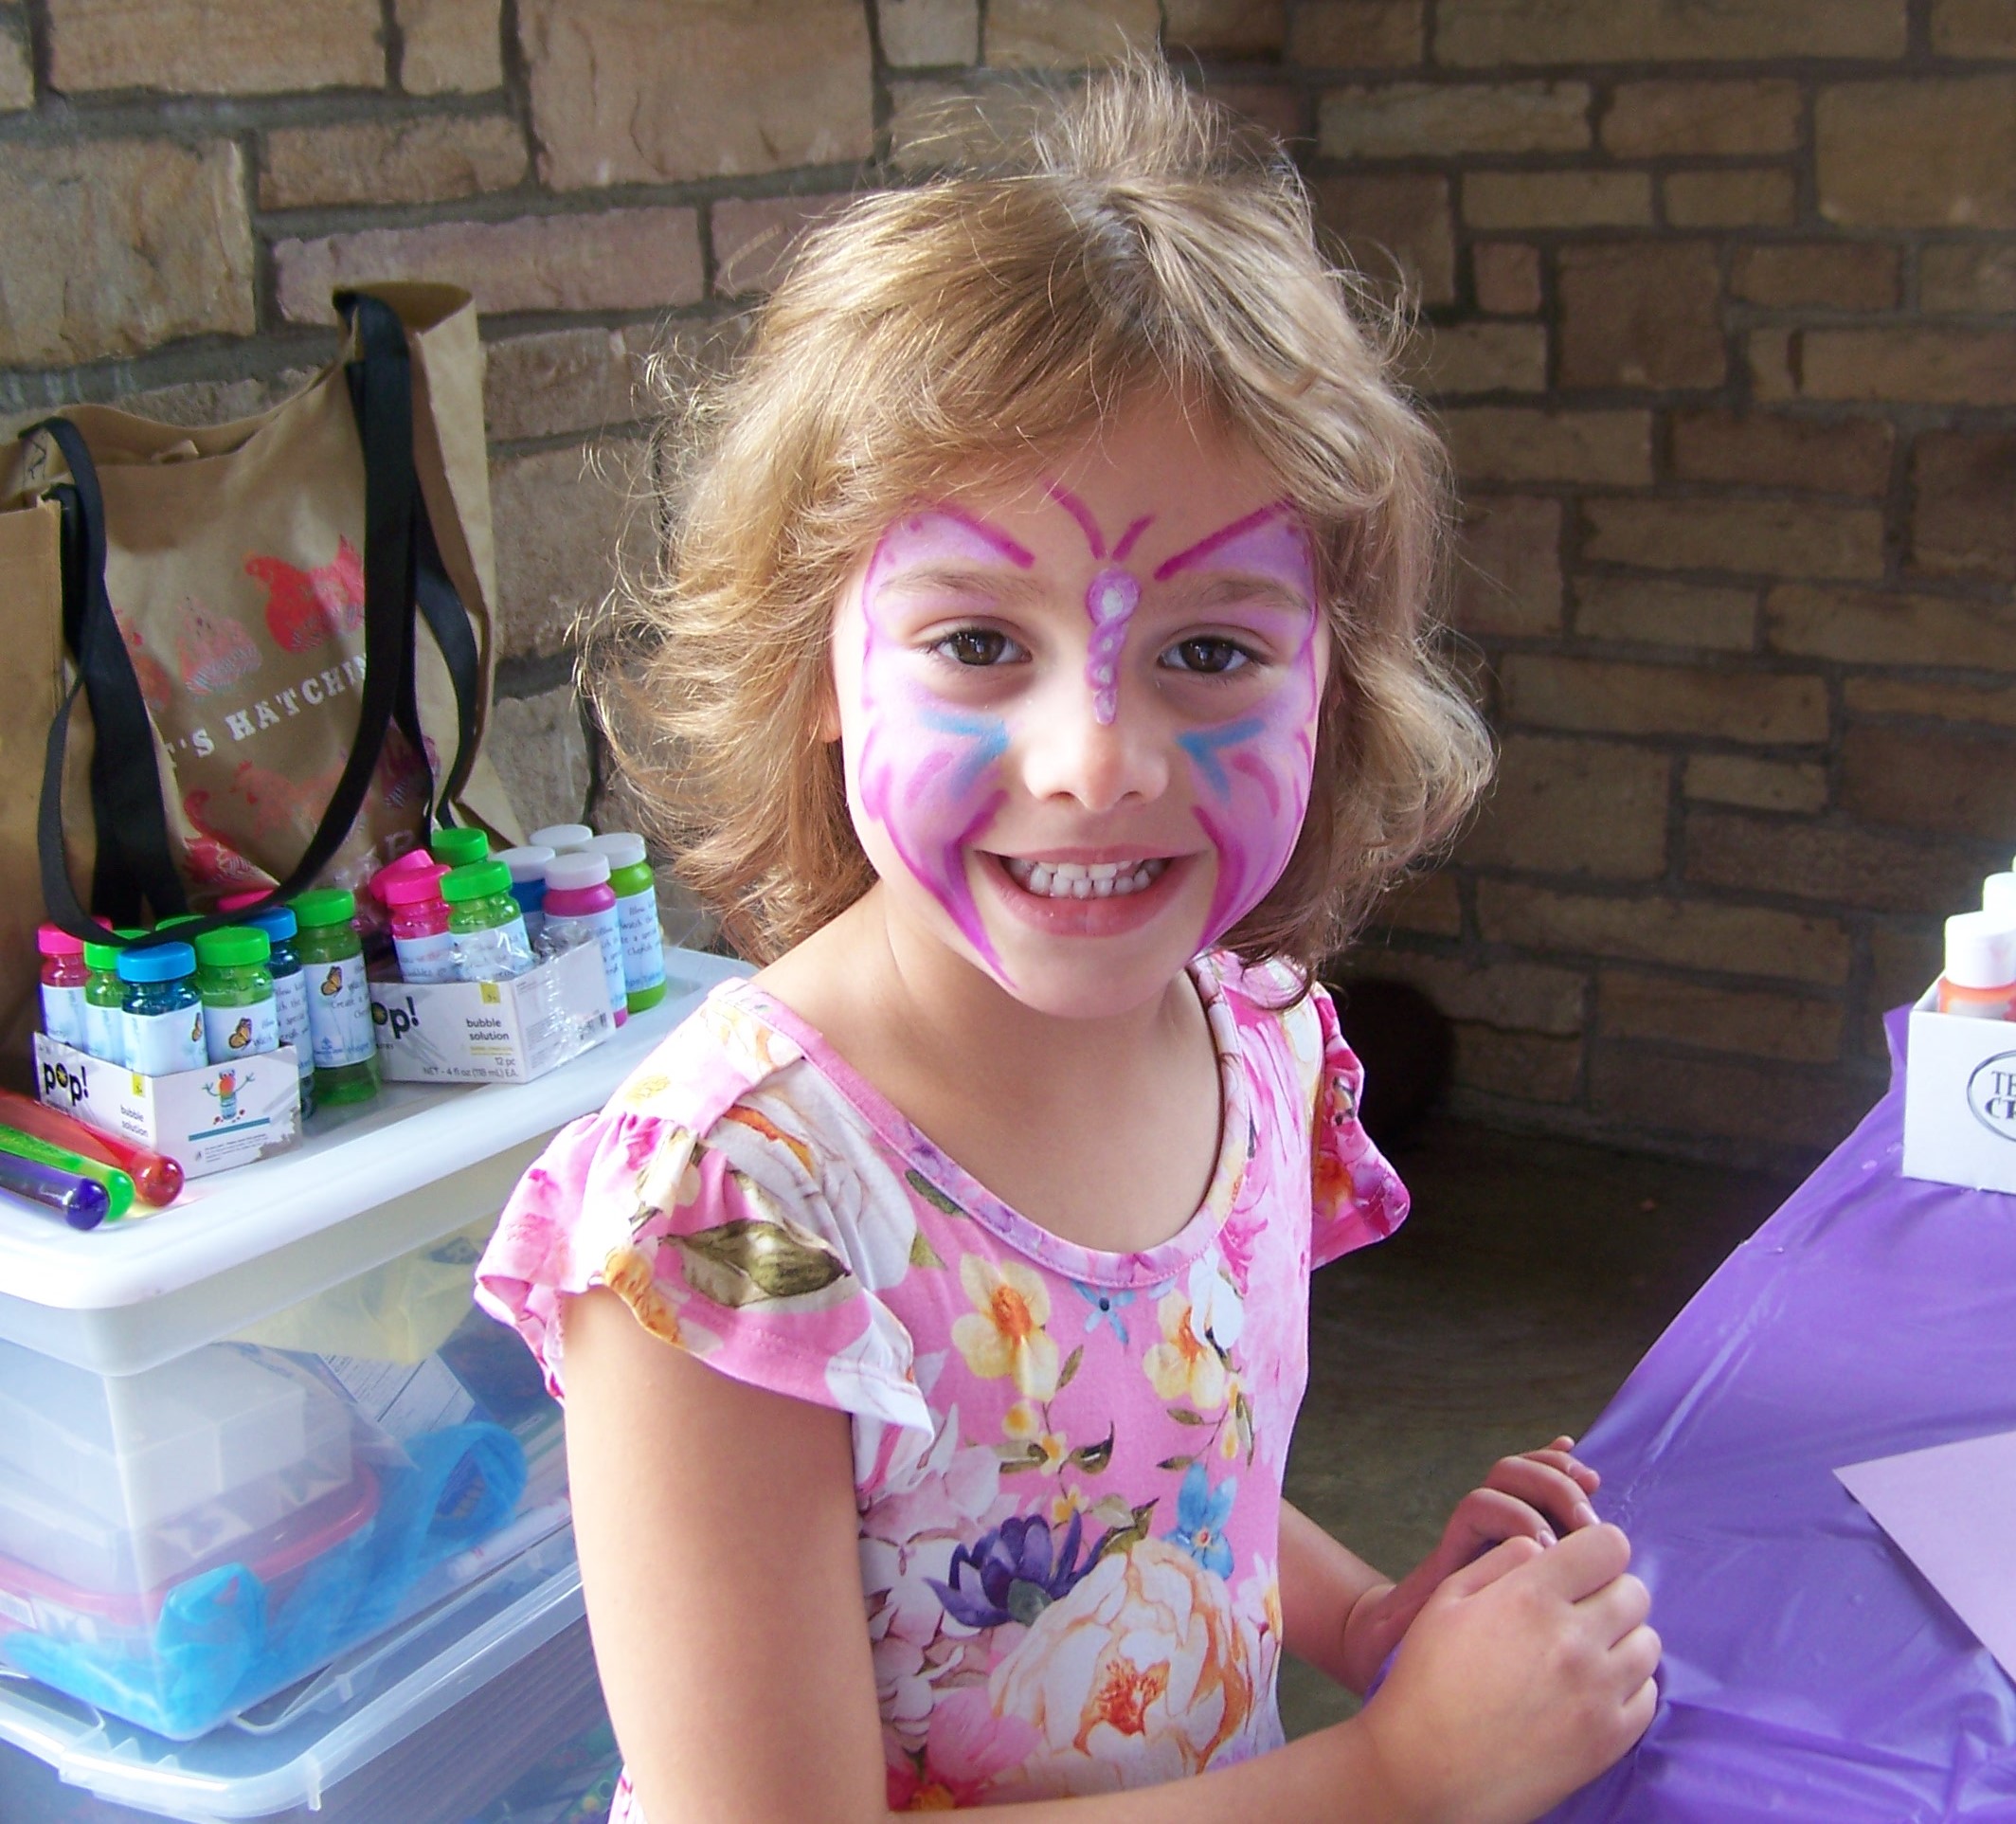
point(1355, 1196)
point(721, 1242)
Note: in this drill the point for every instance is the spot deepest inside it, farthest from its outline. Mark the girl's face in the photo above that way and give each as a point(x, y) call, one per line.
point(1078, 712)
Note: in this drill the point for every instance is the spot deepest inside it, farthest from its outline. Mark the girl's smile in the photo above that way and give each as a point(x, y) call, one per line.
point(1087, 900)
point(1082, 706)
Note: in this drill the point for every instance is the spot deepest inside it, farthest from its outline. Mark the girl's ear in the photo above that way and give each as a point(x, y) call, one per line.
point(828, 725)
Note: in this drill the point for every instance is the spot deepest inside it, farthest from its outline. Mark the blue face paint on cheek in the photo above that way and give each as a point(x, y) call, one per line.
point(1205, 748)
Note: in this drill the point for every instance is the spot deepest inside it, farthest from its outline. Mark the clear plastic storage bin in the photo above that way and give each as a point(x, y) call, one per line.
point(248, 1438)
point(432, 1719)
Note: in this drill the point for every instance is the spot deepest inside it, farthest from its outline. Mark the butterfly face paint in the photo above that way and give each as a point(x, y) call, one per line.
point(1254, 773)
point(1111, 600)
point(927, 771)
point(980, 773)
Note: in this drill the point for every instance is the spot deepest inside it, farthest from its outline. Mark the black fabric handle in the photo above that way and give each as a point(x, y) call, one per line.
point(442, 607)
point(135, 859)
point(132, 866)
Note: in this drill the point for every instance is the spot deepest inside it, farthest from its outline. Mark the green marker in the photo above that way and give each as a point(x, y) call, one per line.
point(118, 1184)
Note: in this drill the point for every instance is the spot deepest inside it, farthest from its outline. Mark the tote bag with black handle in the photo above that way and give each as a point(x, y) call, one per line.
point(272, 648)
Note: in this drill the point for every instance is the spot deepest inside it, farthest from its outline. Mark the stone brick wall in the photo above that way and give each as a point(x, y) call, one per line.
point(1720, 309)
point(1724, 308)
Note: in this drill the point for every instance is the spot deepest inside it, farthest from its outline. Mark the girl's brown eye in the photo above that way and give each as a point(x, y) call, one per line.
point(1213, 658)
point(975, 646)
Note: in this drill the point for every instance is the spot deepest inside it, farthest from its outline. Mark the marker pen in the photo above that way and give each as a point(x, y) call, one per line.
point(118, 1187)
point(80, 1201)
point(155, 1176)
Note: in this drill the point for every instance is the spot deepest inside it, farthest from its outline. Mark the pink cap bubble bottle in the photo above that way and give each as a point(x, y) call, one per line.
point(421, 937)
point(63, 977)
point(580, 908)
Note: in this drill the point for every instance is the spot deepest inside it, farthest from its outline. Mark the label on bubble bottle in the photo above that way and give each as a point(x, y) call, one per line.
point(339, 1013)
point(643, 944)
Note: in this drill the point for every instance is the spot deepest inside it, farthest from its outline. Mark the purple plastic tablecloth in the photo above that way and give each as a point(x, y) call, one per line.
point(1810, 1673)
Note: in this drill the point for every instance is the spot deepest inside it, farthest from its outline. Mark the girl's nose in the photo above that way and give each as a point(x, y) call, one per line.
point(1068, 751)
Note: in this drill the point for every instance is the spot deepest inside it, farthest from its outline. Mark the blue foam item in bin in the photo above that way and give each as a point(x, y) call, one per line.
point(222, 1641)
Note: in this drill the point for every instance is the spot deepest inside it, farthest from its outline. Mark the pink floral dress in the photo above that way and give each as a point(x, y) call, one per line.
point(1068, 1463)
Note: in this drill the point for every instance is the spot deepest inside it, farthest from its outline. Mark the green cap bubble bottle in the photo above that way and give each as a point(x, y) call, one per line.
point(290, 986)
point(104, 1002)
point(240, 1018)
point(489, 930)
point(339, 1003)
point(637, 913)
point(457, 845)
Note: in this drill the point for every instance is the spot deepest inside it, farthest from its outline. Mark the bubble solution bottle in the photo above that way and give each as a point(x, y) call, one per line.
point(636, 915)
point(339, 1004)
point(290, 986)
point(64, 976)
point(163, 1011)
point(241, 1016)
point(489, 930)
point(528, 884)
point(580, 908)
point(104, 1002)
point(1979, 980)
point(457, 845)
point(421, 937)
point(413, 861)
point(561, 838)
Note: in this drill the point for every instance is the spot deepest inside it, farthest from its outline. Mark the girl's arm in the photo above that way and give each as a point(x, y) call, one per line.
point(1323, 1582)
point(717, 1529)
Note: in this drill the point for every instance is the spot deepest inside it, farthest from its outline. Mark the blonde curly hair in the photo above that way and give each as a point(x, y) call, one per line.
point(951, 333)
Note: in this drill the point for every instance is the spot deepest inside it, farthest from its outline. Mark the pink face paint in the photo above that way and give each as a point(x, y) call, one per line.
point(927, 770)
point(1111, 600)
point(1254, 773)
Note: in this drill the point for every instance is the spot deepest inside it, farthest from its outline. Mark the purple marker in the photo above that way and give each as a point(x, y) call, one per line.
point(82, 1201)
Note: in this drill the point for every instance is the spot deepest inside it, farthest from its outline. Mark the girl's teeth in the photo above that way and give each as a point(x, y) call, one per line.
point(1097, 880)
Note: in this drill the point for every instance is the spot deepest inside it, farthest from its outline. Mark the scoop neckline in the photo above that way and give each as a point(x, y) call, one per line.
point(1131, 1268)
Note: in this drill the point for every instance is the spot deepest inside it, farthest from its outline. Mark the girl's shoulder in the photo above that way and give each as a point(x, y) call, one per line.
point(1280, 1020)
point(724, 1053)
point(726, 1194)
point(1295, 1052)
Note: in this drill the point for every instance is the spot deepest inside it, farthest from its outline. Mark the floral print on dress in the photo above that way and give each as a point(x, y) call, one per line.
point(1067, 1462)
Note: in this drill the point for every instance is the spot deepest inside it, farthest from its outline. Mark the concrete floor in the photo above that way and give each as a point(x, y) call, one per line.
point(1530, 1277)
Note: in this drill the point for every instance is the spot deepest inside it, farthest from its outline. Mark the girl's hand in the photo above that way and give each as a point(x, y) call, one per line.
point(1526, 1674)
point(1538, 1494)
point(1542, 1495)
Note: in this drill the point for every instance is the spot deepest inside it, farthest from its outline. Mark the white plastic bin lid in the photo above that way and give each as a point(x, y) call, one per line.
point(367, 1183)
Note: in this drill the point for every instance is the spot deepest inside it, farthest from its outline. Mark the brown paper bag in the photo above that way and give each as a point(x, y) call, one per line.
point(222, 677)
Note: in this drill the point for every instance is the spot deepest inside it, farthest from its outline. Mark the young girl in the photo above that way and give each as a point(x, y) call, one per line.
point(1040, 687)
